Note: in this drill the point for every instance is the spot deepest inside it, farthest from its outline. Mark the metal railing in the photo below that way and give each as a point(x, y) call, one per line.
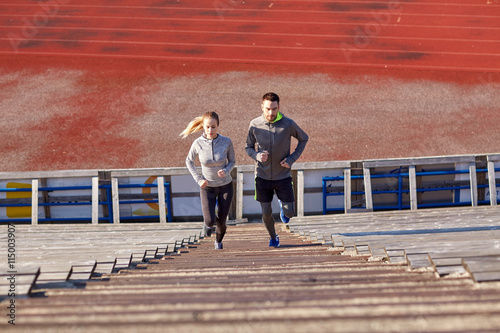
point(96, 195)
point(358, 183)
point(402, 188)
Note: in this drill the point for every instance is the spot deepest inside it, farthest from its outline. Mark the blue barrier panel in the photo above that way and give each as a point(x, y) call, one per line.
point(47, 189)
point(326, 194)
point(108, 202)
point(401, 190)
point(141, 201)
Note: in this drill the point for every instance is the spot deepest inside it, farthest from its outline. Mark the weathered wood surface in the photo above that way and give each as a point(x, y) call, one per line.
point(20, 284)
point(301, 286)
point(468, 234)
point(419, 161)
point(58, 253)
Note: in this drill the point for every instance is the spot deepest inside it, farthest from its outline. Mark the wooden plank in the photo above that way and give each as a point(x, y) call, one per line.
point(83, 272)
point(105, 267)
point(492, 182)
point(473, 183)
point(349, 246)
point(95, 200)
point(116, 200)
point(419, 161)
point(413, 232)
point(54, 272)
point(451, 269)
point(347, 190)
point(482, 263)
point(396, 255)
point(179, 171)
point(246, 168)
point(24, 282)
point(300, 193)
point(418, 260)
point(362, 248)
point(34, 201)
point(161, 199)
point(481, 266)
point(368, 188)
point(80, 247)
point(493, 157)
point(486, 276)
point(320, 165)
point(124, 262)
point(413, 187)
point(446, 261)
point(48, 174)
point(239, 195)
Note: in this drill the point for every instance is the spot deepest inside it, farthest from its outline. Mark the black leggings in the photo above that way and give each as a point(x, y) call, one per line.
point(222, 196)
point(267, 215)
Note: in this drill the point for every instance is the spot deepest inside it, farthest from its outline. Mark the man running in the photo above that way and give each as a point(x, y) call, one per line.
point(268, 143)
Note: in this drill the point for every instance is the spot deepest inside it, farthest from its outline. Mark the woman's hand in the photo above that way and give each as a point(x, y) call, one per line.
point(221, 173)
point(203, 183)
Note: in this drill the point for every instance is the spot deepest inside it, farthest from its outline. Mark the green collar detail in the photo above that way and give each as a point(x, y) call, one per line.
point(278, 117)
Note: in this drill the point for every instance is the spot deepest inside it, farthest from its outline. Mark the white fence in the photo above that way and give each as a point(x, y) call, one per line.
point(343, 186)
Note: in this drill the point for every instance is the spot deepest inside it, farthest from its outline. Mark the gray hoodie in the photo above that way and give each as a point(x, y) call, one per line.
point(214, 155)
point(274, 137)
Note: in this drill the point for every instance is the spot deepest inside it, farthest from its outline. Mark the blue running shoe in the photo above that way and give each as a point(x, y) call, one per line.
point(284, 218)
point(218, 246)
point(274, 242)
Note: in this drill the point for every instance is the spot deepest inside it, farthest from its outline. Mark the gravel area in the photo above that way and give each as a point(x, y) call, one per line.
point(58, 117)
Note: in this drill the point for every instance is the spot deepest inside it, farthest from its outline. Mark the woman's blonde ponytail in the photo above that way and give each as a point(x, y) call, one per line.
point(197, 123)
point(194, 126)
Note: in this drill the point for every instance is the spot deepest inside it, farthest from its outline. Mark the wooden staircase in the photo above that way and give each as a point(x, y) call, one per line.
point(302, 286)
point(448, 241)
point(68, 254)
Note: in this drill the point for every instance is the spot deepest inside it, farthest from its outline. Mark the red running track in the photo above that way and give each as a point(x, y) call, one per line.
point(418, 35)
point(119, 52)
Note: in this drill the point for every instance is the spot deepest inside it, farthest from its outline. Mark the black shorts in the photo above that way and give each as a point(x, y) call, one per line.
point(264, 189)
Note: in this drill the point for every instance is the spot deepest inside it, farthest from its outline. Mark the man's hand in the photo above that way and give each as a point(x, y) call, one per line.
point(264, 156)
point(284, 164)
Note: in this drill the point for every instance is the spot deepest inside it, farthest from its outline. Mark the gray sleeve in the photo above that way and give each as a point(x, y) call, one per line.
point(250, 147)
point(302, 138)
point(231, 159)
point(190, 163)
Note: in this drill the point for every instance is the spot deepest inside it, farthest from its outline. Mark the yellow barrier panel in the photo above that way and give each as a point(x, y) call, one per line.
point(18, 212)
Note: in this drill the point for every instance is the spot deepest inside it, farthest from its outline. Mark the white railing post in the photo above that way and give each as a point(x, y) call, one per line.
point(116, 200)
point(34, 201)
point(161, 199)
point(239, 195)
point(368, 188)
point(492, 183)
point(347, 190)
point(412, 174)
point(300, 193)
point(473, 183)
point(95, 200)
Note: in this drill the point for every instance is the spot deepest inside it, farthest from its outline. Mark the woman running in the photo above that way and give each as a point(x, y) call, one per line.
point(216, 155)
